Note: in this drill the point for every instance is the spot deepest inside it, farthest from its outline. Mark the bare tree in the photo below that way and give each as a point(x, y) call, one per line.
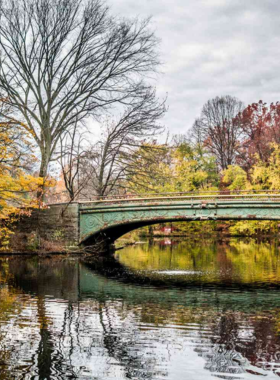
point(71, 156)
point(219, 130)
point(113, 157)
point(65, 60)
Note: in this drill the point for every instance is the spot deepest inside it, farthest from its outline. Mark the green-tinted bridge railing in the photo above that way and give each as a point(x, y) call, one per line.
point(113, 217)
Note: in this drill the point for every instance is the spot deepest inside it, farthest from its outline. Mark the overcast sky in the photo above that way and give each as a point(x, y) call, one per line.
point(210, 48)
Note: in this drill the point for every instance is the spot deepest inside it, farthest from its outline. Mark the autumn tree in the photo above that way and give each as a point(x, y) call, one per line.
point(194, 170)
point(260, 126)
point(64, 61)
point(188, 149)
point(177, 167)
point(262, 176)
point(17, 185)
point(235, 178)
point(219, 129)
point(266, 175)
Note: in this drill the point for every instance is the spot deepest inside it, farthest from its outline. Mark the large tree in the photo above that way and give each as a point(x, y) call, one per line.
point(65, 60)
point(219, 129)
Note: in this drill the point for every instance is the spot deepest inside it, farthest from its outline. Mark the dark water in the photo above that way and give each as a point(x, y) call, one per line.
point(186, 310)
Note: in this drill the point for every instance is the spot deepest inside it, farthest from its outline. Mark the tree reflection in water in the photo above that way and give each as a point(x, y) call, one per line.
point(63, 319)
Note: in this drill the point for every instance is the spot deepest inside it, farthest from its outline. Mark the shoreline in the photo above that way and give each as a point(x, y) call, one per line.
point(123, 243)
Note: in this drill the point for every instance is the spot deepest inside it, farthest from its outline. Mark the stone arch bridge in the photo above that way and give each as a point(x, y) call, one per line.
point(108, 219)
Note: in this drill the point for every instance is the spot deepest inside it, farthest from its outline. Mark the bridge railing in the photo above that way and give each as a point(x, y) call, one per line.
point(272, 195)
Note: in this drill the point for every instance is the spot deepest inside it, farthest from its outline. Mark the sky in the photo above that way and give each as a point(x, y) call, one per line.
point(211, 48)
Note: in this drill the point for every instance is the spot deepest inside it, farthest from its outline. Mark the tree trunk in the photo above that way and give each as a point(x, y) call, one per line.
point(43, 173)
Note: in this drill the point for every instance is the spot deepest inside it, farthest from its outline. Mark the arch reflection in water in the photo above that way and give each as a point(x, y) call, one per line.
point(103, 319)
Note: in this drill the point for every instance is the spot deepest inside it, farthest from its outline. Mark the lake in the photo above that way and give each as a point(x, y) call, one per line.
point(163, 309)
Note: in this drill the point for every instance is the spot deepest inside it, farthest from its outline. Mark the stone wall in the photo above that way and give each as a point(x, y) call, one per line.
point(56, 223)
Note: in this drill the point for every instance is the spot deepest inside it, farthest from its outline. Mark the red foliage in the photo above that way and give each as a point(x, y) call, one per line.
point(261, 127)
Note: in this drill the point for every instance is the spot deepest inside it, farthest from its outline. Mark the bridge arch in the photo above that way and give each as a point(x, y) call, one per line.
point(114, 232)
point(114, 218)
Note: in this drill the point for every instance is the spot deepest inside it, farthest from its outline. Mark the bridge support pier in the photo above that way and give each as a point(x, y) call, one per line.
point(52, 228)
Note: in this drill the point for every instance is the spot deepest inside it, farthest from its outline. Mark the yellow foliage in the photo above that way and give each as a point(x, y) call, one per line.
point(267, 176)
point(236, 178)
point(17, 188)
point(179, 169)
point(263, 176)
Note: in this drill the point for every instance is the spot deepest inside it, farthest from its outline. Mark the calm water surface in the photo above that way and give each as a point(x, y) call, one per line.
point(164, 310)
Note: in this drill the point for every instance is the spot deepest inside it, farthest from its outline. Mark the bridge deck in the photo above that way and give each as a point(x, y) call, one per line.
point(211, 197)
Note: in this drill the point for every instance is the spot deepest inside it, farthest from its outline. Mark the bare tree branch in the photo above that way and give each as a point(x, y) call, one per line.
point(63, 61)
point(219, 130)
point(113, 158)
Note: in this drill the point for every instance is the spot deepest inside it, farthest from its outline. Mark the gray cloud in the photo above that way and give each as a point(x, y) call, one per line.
point(210, 48)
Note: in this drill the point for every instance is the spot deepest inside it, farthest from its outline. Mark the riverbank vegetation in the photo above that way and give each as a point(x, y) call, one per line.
point(105, 136)
point(17, 185)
